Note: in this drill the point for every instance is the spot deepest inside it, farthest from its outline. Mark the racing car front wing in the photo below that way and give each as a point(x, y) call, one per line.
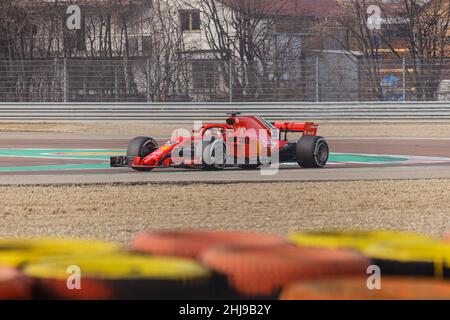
point(120, 161)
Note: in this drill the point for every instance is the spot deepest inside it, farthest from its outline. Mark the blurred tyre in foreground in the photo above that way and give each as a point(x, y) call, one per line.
point(355, 288)
point(349, 239)
point(14, 285)
point(17, 252)
point(191, 244)
point(123, 276)
point(417, 258)
point(447, 237)
point(261, 272)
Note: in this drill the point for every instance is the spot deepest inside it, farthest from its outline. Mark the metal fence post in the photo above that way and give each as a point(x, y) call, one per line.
point(148, 79)
point(116, 84)
point(65, 79)
point(56, 78)
point(404, 79)
point(230, 72)
point(317, 80)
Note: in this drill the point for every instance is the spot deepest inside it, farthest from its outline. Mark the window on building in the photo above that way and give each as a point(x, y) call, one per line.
point(147, 45)
point(133, 45)
point(288, 46)
point(189, 20)
point(400, 31)
point(203, 75)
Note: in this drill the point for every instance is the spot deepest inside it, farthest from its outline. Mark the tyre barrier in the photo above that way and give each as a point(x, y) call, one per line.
point(262, 271)
point(446, 237)
point(350, 239)
point(355, 288)
point(191, 244)
point(122, 276)
point(414, 258)
point(17, 252)
point(219, 265)
point(14, 285)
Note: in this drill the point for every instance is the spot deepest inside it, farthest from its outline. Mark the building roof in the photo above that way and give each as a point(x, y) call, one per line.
point(285, 7)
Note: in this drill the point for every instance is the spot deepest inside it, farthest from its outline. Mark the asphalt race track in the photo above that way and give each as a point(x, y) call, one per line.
point(52, 158)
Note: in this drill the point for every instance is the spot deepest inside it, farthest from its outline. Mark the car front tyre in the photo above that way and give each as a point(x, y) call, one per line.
point(140, 147)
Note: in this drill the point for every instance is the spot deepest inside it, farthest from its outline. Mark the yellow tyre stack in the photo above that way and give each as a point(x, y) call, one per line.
point(121, 276)
point(411, 258)
point(350, 239)
point(396, 253)
point(18, 252)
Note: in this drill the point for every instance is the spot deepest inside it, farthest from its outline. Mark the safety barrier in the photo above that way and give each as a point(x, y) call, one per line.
point(181, 112)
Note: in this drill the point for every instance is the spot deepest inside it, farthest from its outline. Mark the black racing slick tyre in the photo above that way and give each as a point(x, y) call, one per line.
point(140, 147)
point(312, 152)
point(212, 159)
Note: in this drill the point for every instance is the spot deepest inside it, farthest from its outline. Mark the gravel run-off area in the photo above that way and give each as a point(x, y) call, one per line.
point(116, 212)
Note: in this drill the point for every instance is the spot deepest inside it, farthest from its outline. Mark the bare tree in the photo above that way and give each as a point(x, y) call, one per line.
point(425, 28)
point(166, 73)
point(363, 40)
point(242, 34)
point(429, 46)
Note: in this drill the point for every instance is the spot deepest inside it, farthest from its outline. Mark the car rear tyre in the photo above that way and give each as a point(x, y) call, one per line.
point(140, 147)
point(312, 152)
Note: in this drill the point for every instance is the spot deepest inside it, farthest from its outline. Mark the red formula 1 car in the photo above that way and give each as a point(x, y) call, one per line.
point(243, 141)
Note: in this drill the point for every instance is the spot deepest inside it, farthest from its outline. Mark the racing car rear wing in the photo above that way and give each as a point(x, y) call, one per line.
point(308, 128)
